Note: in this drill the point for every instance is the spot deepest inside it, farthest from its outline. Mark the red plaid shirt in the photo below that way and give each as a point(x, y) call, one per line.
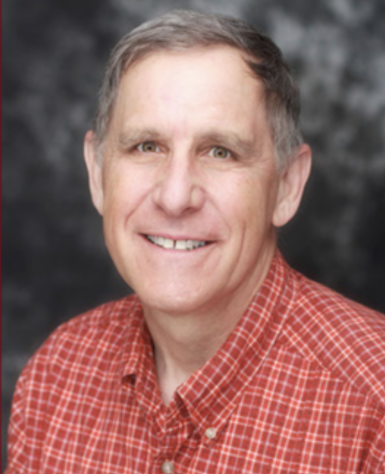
point(298, 387)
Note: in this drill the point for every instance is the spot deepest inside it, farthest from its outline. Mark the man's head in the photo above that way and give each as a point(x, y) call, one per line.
point(184, 30)
point(188, 186)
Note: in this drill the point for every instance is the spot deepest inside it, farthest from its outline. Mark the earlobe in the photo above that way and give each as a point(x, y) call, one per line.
point(94, 169)
point(291, 186)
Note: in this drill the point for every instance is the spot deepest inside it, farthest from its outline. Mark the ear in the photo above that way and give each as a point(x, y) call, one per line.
point(94, 169)
point(291, 186)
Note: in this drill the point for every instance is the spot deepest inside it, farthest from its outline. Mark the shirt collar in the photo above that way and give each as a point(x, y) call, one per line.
point(212, 393)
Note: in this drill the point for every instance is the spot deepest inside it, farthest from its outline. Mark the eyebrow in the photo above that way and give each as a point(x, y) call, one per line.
point(227, 139)
point(134, 136)
point(230, 140)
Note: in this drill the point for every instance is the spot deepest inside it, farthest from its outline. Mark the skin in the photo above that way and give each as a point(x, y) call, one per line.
point(189, 155)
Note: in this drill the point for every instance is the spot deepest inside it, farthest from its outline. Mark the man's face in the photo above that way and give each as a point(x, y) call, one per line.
point(188, 188)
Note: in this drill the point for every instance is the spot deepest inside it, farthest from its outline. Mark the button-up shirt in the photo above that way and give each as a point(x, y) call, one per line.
point(298, 387)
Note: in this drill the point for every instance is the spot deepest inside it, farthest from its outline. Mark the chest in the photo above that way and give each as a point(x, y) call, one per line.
point(298, 422)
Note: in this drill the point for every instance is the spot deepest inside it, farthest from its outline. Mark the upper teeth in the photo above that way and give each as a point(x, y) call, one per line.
point(176, 244)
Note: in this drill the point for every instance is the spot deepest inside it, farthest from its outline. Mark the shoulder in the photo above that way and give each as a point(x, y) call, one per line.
point(88, 339)
point(340, 335)
point(81, 356)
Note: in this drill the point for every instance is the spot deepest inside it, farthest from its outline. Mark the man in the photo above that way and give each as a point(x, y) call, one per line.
point(226, 360)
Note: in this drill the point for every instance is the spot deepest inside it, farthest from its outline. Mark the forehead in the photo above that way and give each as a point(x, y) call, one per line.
point(202, 68)
point(213, 84)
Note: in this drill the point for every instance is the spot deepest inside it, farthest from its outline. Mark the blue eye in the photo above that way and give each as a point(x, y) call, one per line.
point(148, 147)
point(219, 152)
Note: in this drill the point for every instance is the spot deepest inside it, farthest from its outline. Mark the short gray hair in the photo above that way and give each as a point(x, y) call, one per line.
point(181, 30)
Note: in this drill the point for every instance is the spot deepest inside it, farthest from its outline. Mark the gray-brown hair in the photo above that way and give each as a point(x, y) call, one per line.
point(182, 30)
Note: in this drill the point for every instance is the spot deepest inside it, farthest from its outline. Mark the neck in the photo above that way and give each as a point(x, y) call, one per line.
point(185, 342)
point(181, 360)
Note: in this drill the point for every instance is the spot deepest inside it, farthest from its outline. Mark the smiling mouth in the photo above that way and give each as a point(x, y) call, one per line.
point(176, 244)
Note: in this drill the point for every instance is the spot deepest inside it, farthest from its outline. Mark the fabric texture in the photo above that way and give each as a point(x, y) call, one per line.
point(298, 387)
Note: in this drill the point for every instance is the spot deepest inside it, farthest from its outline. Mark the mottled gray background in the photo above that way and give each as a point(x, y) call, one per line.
point(54, 261)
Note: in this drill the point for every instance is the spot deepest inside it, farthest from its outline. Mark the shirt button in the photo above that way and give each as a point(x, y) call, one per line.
point(210, 433)
point(167, 467)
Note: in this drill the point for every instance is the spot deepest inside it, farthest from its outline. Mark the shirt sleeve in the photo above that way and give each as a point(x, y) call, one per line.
point(17, 450)
point(26, 432)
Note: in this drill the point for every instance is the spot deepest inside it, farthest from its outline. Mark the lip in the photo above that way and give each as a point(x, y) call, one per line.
point(178, 236)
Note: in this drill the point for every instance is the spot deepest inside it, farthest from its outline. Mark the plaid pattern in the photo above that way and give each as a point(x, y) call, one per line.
point(298, 387)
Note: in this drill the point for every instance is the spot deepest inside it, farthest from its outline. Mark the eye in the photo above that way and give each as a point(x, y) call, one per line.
point(148, 147)
point(219, 152)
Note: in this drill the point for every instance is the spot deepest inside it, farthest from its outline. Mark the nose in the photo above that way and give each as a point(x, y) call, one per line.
point(178, 190)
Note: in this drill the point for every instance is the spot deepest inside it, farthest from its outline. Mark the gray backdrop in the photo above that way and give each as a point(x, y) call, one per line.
point(54, 261)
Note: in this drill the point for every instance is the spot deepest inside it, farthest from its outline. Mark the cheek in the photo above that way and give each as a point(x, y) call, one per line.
point(246, 197)
point(125, 187)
